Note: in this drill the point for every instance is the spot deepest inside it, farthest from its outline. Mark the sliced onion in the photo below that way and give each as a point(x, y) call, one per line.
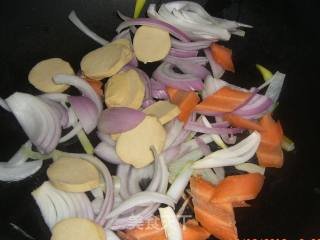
point(147, 101)
point(138, 199)
point(180, 183)
point(231, 156)
point(250, 168)
point(158, 90)
point(119, 119)
point(83, 87)
point(216, 137)
point(124, 34)
point(170, 224)
point(12, 173)
point(123, 173)
point(154, 23)
point(220, 172)
point(108, 153)
point(197, 60)
point(86, 111)
point(189, 67)
point(255, 107)
point(190, 45)
point(207, 174)
point(83, 28)
point(109, 191)
point(173, 132)
point(205, 149)
point(275, 87)
point(177, 165)
point(4, 105)
point(182, 53)
point(165, 74)
point(75, 130)
point(37, 119)
point(198, 127)
point(59, 110)
point(216, 68)
point(106, 138)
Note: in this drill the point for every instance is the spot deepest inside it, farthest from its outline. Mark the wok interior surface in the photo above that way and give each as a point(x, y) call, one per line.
point(284, 38)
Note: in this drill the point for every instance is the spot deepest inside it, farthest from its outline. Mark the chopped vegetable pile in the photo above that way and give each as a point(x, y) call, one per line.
point(170, 134)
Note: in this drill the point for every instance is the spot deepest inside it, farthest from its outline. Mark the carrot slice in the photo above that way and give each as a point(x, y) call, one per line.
point(238, 188)
point(224, 100)
point(201, 189)
point(273, 133)
point(237, 121)
point(223, 56)
point(216, 223)
point(270, 156)
point(150, 230)
point(185, 100)
point(192, 231)
point(95, 84)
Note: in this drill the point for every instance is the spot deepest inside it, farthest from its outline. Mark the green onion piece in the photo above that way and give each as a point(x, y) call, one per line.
point(287, 144)
point(266, 74)
point(28, 152)
point(85, 142)
point(138, 8)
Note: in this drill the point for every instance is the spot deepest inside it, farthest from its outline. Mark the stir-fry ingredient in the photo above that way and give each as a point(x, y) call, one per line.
point(42, 73)
point(170, 133)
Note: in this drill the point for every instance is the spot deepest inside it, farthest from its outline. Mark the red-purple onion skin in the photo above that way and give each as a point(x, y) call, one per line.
point(158, 90)
point(119, 119)
point(182, 53)
point(189, 67)
point(86, 111)
point(256, 105)
point(155, 23)
point(59, 109)
point(166, 75)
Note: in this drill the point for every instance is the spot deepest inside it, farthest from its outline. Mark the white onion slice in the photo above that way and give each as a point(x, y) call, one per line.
point(250, 168)
point(180, 183)
point(83, 28)
point(231, 156)
point(170, 224)
point(138, 199)
point(83, 87)
point(12, 173)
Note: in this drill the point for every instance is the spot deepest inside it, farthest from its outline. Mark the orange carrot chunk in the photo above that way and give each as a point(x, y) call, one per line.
point(216, 222)
point(238, 188)
point(272, 131)
point(192, 231)
point(201, 189)
point(150, 230)
point(224, 100)
point(270, 156)
point(223, 56)
point(185, 100)
point(237, 121)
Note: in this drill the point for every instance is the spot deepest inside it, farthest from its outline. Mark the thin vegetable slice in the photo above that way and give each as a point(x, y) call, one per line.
point(223, 56)
point(170, 224)
point(224, 100)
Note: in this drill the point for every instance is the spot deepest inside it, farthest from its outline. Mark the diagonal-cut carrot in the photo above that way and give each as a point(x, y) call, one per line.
point(237, 121)
point(150, 230)
point(191, 230)
point(185, 100)
point(223, 56)
point(201, 189)
point(238, 188)
point(225, 100)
